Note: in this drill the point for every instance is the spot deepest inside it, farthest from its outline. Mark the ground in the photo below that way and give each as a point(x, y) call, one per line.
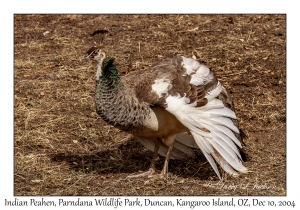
point(62, 147)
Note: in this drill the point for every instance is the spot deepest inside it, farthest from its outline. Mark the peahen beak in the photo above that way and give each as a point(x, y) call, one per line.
point(86, 56)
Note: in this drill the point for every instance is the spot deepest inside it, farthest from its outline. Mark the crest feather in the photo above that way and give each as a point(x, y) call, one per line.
point(101, 34)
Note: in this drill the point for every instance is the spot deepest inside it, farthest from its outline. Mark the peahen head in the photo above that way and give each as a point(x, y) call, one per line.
point(96, 53)
point(105, 67)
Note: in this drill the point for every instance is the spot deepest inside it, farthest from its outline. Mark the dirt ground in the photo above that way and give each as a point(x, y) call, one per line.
point(61, 145)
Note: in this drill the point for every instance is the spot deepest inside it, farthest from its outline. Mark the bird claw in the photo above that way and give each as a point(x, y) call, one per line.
point(148, 173)
point(155, 177)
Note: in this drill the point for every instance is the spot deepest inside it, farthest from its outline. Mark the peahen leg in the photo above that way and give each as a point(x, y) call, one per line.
point(152, 170)
point(164, 172)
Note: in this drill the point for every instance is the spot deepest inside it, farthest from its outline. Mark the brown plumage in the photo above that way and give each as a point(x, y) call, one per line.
point(172, 108)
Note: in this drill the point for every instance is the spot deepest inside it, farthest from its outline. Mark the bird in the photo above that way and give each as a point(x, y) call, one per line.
point(174, 108)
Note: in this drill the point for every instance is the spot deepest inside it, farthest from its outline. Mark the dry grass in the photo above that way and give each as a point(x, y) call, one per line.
point(63, 148)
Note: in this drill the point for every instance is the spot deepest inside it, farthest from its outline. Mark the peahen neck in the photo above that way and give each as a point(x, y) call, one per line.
point(109, 72)
point(115, 102)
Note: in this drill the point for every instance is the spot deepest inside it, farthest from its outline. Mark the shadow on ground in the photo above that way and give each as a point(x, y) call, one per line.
point(130, 158)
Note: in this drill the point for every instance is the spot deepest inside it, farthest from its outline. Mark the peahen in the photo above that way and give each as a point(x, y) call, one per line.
point(174, 107)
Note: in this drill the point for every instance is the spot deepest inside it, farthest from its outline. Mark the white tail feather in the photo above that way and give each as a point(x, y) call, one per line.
point(224, 164)
point(232, 159)
point(226, 122)
point(229, 133)
point(213, 104)
point(214, 93)
point(218, 143)
point(228, 141)
point(225, 112)
point(208, 157)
